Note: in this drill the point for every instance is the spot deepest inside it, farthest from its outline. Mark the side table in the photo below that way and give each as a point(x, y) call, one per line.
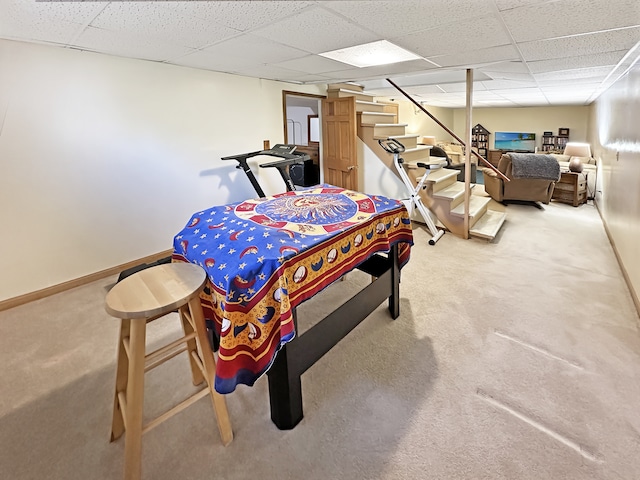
point(571, 188)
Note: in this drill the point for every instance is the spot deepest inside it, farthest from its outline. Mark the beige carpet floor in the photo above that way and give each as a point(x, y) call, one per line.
point(517, 359)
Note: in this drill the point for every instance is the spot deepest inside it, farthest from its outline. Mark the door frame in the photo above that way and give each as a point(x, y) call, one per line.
point(286, 93)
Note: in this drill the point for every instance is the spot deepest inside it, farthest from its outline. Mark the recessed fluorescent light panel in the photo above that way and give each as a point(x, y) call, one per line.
point(371, 54)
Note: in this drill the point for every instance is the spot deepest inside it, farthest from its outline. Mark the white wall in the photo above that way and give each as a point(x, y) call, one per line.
point(615, 141)
point(104, 159)
point(420, 123)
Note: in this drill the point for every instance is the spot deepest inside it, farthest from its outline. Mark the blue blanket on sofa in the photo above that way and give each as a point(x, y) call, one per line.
point(534, 165)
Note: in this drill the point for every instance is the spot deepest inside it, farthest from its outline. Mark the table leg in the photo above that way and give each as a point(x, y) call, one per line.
point(294, 358)
point(394, 299)
point(285, 393)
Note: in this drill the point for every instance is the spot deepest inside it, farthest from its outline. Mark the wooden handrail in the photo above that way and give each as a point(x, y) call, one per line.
point(480, 157)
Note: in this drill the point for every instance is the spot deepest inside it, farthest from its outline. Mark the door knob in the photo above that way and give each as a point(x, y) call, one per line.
point(352, 167)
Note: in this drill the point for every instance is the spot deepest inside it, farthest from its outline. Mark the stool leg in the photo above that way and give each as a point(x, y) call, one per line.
point(122, 369)
point(192, 346)
point(134, 401)
point(209, 363)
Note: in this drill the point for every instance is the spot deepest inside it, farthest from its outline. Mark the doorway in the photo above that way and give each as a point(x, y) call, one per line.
point(301, 113)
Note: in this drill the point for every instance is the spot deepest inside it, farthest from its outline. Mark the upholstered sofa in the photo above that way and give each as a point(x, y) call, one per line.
point(528, 184)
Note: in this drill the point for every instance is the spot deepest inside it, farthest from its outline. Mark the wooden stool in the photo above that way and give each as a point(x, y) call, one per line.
point(141, 298)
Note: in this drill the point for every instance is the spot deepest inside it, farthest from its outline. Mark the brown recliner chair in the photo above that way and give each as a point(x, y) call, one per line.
point(530, 188)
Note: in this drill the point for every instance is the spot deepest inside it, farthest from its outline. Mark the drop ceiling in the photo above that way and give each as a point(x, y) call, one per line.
point(522, 52)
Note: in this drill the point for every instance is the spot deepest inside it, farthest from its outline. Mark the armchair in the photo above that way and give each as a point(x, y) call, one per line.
point(453, 161)
point(534, 180)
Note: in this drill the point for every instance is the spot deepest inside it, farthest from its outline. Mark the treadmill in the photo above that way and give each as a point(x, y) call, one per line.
point(286, 157)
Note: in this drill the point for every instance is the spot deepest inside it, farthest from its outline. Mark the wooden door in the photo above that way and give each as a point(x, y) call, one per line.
point(339, 133)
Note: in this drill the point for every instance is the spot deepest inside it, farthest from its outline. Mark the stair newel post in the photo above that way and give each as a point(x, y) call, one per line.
point(467, 154)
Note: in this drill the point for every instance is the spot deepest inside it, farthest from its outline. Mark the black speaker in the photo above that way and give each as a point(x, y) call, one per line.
point(305, 174)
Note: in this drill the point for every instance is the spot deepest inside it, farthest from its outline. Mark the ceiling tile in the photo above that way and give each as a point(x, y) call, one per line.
point(569, 89)
point(431, 77)
point(580, 61)
point(425, 89)
point(127, 44)
point(154, 19)
point(33, 11)
point(509, 4)
point(507, 84)
point(503, 53)
point(568, 82)
point(271, 72)
point(278, 40)
point(573, 74)
point(591, 44)
point(239, 15)
point(387, 18)
point(317, 30)
point(570, 17)
point(518, 92)
point(460, 87)
point(470, 35)
point(44, 21)
point(485, 96)
point(242, 52)
point(510, 77)
point(210, 61)
point(313, 64)
point(513, 67)
point(60, 33)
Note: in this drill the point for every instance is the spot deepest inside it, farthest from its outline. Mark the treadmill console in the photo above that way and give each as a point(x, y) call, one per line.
point(280, 148)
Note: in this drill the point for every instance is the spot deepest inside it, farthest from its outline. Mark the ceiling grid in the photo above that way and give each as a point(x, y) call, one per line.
point(523, 52)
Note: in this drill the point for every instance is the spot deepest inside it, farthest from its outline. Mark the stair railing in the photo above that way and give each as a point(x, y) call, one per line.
point(478, 156)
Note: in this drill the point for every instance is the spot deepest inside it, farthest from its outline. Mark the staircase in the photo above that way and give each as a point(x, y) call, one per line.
point(443, 195)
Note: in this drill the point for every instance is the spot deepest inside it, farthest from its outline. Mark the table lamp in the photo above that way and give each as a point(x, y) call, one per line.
point(576, 150)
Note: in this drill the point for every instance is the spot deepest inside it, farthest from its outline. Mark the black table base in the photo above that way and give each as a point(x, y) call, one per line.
point(295, 357)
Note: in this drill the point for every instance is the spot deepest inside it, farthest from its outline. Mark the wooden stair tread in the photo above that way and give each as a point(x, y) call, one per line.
point(353, 92)
point(397, 137)
point(452, 192)
point(407, 135)
point(441, 175)
point(385, 125)
point(373, 106)
point(378, 113)
point(344, 85)
point(416, 149)
point(414, 165)
point(488, 225)
point(477, 205)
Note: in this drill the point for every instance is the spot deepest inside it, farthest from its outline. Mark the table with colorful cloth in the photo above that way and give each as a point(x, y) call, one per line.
point(265, 256)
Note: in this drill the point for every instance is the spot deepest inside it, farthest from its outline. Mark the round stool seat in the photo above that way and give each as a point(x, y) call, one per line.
point(155, 291)
point(137, 300)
